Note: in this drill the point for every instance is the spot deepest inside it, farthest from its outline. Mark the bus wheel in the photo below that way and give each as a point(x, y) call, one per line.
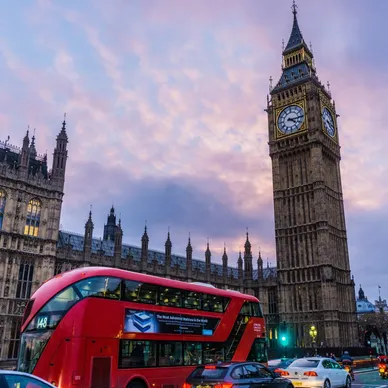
point(137, 383)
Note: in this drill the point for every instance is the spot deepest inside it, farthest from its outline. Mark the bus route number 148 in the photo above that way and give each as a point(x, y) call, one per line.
point(42, 322)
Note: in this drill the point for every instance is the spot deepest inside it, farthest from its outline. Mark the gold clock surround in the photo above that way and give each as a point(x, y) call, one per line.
point(278, 111)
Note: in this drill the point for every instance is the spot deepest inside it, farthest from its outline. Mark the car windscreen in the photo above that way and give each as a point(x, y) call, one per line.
point(304, 363)
point(209, 372)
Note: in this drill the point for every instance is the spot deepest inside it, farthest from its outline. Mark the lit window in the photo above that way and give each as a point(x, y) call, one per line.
point(2, 207)
point(33, 218)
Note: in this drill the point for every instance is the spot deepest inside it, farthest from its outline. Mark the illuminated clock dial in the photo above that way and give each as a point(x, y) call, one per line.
point(328, 122)
point(291, 119)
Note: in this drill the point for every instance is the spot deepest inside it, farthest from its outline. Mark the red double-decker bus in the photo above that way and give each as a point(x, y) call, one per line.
point(103, 327)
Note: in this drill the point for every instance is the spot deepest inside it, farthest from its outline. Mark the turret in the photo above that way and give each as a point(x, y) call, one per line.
point(208, 256)
point(110, 227)
point(225, 266)
point(260, 273)
point(167, 253)
point(33, 152)
point(144, 250)
point(248, 268)
point(60, 158)
point(240, 271)
point(189, 259)
point(118, 244)
point(88, 238)
point(24, 156)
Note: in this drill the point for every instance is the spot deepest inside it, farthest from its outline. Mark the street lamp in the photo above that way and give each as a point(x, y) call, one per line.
point(313, 334)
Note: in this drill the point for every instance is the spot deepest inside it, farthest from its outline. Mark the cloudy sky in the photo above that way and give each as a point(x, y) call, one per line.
point(165, 109)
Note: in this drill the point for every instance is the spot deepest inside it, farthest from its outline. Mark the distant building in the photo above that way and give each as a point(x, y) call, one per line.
point(363, 305)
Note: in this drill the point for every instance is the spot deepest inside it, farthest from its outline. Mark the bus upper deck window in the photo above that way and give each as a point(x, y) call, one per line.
point(105, 287)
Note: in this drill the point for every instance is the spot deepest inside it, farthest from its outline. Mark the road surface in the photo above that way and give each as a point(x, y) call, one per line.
point(369, 380)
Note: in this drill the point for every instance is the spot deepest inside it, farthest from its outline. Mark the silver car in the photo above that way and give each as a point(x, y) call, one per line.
point(13, 379)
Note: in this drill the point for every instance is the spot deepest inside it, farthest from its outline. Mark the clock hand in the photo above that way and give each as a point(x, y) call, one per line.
point(294, 118)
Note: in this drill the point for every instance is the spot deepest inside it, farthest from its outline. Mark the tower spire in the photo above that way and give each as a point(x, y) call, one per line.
point(296, 37)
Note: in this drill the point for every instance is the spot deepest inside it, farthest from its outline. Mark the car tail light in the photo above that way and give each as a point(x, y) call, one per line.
point(210, 367)
point(310, 373)
point(282, 372)
point(224, 385)
point(185, 385)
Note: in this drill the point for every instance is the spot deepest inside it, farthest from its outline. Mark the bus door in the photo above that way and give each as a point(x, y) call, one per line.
point(100, 355)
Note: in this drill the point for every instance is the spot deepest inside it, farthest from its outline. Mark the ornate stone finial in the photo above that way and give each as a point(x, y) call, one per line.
point(270, 83)
point(294, 8)
point(328, 87)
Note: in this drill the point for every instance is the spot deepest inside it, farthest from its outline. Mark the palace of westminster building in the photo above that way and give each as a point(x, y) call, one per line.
point(312, 283)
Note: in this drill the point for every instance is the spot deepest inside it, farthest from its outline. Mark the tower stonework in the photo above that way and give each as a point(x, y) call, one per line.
point(313, 270)
point(30, 210)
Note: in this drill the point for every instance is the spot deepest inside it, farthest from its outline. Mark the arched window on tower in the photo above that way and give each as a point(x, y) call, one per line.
point(3, 199)
point(33, 218)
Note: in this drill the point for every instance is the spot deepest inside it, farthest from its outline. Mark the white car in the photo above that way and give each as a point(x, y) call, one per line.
point(317, 372)
point(12, 379)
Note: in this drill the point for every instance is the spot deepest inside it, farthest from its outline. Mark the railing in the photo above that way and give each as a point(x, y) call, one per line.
point(17, 150)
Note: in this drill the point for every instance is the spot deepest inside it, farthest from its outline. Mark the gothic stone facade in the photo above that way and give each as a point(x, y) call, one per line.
point(30, 210)
point(33, 249)
point(313, 269)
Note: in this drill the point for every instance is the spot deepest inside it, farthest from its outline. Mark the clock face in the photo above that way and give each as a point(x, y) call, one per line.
point(328, 122)
point(291, 119)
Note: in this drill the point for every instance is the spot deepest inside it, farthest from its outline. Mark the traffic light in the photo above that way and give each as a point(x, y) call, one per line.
point(283, 334)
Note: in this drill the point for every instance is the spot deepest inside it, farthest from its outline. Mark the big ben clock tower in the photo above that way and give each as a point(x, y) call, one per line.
point(315, 284)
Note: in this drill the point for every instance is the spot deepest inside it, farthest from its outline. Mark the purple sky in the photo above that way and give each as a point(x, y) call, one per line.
point(164, 103)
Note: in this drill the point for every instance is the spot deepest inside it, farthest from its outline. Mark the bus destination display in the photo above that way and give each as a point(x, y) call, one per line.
point(140, 321)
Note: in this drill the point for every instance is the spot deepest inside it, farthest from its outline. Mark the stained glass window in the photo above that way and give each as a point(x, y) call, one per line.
point(2, 207)
point(33, 218)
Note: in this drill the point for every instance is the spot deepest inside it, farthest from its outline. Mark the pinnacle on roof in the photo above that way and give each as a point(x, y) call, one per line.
point(224, 256)
point(247, 245)
point(296, 37)
point(168, 241)
point(33, 152)
point(89, 221)
point(26, 139)
point(62, 134)
point(207, 245)
point(145, 235)
point(189, 248)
